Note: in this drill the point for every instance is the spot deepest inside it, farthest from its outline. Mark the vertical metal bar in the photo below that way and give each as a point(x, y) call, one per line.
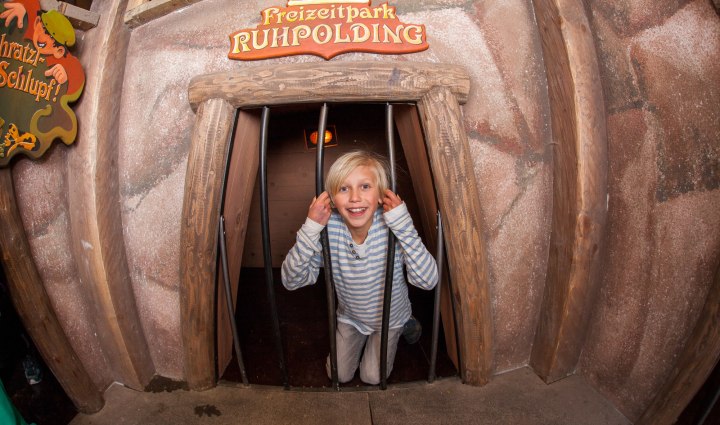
point(228, 297)
point(329, 283)
point(390, 263)
point(461, 371)
point(439, 259)
point(267, 257)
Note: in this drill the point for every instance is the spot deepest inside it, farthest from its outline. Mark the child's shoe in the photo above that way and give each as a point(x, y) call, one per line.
point(412, 330)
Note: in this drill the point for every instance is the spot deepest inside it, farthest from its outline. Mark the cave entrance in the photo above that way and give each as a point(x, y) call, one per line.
point(437, 154)
point(302, 314)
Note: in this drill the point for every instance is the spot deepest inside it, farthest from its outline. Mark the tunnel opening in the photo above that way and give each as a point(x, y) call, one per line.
point(302, 314)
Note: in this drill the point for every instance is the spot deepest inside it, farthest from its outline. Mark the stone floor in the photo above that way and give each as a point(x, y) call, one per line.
point(517, 397)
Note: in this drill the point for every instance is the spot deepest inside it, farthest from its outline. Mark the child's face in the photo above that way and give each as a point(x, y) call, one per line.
point(357, 199)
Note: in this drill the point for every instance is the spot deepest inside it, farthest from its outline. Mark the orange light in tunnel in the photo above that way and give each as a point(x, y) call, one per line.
point(311, 137)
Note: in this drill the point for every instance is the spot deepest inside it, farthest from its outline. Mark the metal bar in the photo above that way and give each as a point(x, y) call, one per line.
point(390, 263)
point(329, 283)
point(439, 259)
point(267, 257)
point(461, 371)
point(228, 297)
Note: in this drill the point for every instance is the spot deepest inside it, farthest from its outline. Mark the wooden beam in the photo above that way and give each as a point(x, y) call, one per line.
point(143, 11)
point(331, 82)
point(95, 217)
point(80, 18)
point(579, 186)
point(198, 240)
point(413, 142)
point(242, 174)
point(693, 366)
point(457, 193)
point(34, 307)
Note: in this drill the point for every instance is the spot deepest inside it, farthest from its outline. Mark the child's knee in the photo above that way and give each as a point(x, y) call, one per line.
point(344, 373)
point(370, 377)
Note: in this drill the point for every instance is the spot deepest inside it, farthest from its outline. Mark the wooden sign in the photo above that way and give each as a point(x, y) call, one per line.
point(39, 77)
point(327, 28)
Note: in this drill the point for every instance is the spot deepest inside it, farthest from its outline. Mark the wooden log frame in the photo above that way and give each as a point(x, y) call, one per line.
point(34, 307)
point(579, 186)
point(214, 96)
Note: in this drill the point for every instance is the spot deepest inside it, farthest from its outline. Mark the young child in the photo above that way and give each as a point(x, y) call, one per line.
point(357, 184)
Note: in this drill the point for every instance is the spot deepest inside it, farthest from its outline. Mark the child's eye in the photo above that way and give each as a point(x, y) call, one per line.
point(343, 189)
point(366, 186)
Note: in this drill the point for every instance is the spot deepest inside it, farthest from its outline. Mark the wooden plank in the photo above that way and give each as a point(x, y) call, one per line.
point(198, 240)
point(140, 12)
point(332, 82)
point(34, 307)
point(452, 166)
point(579, 186)
point(95, 217)
point(242, 174)
point(80, 18)
point(693, 366)
point(411, 136)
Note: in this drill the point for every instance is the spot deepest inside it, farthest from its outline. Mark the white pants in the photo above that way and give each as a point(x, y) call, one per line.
point(350, 342)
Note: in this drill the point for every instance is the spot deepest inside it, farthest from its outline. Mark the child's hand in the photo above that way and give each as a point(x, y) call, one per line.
point(319, 210)
point(390, 200)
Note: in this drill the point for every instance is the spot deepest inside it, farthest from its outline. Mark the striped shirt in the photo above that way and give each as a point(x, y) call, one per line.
point(359, 269)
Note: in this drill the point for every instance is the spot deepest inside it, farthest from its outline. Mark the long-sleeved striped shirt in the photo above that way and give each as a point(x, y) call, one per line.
point(359, 270)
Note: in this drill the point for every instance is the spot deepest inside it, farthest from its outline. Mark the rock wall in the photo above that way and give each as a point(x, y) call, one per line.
point(660, 67)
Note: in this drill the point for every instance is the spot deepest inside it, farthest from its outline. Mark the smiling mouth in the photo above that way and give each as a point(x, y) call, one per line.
point(41, 45)
point(357, 211)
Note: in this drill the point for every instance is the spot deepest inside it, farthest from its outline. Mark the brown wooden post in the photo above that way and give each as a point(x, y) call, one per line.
point(95, 217)
point(238, 196)
point(693, 366)
point(452, 166)
point(579, 186)
point(413, 142)
point(34, 307)
point(198, 240)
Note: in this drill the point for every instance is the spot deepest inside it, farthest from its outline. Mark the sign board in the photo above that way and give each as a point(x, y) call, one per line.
point(39, 78)
point(327, 28)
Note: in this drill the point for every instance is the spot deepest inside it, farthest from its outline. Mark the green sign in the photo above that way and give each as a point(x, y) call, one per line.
point(39, 78)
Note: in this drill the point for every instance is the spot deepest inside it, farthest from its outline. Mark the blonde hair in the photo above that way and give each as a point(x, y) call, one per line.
point(345, 165)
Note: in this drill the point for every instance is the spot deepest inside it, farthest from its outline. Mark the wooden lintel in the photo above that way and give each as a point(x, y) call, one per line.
point(80, 18)
point(35, 308)
point(579, 186)
point(198, 240)
point(332, 82)
point(452, 166)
